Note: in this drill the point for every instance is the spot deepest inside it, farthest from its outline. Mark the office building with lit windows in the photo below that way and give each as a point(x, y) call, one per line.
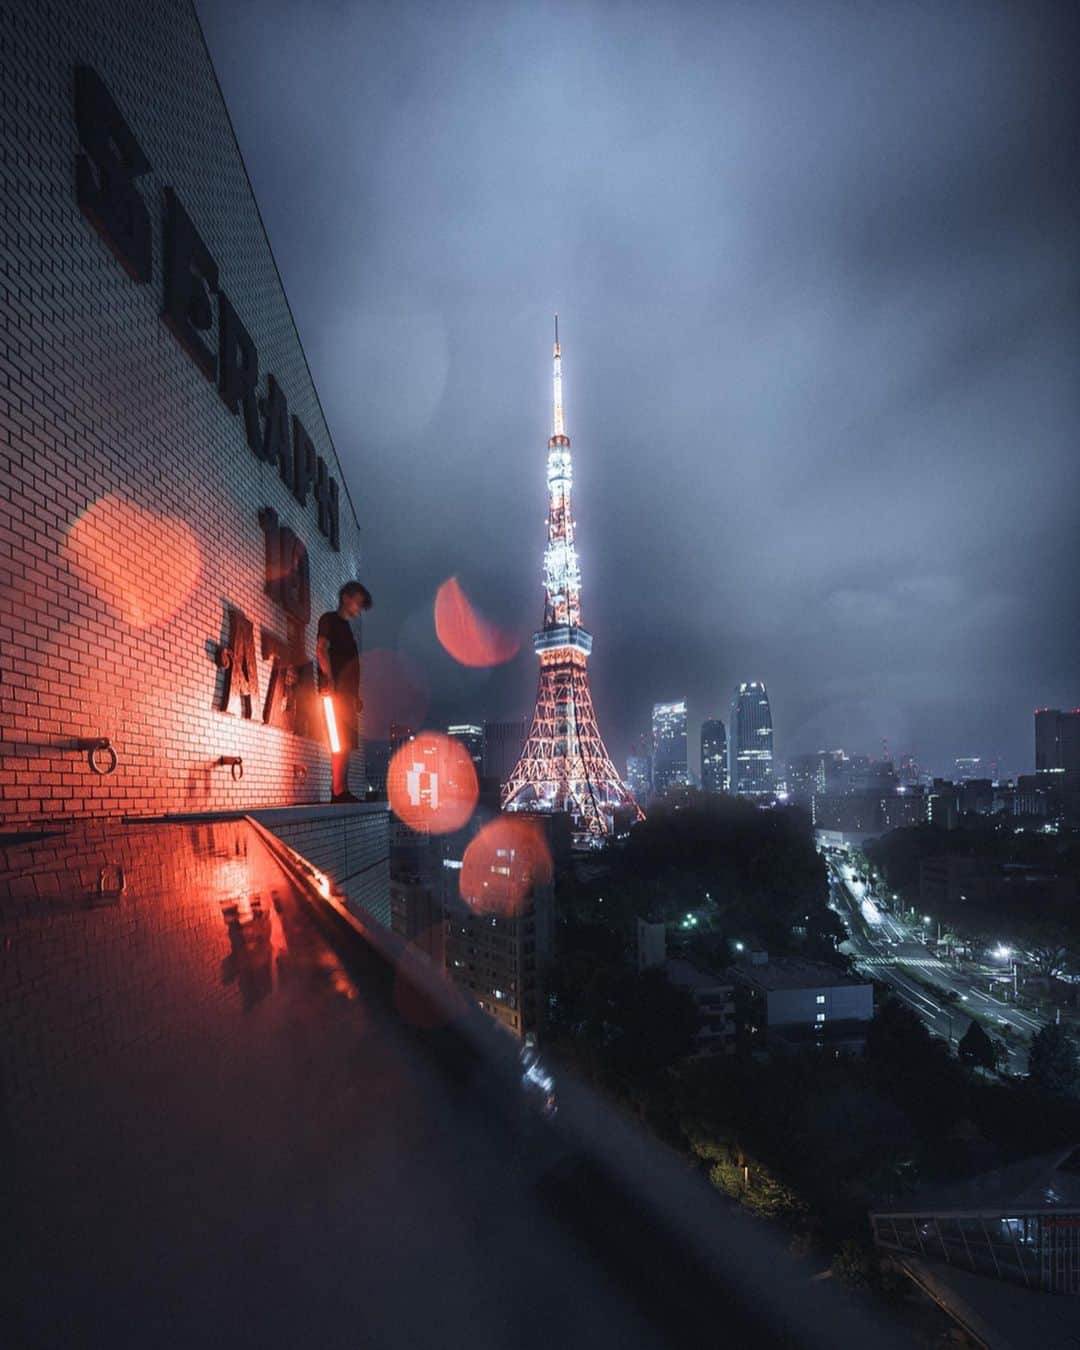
point(751, 740)
point(499, 960)
point(1057, 741)
point(639, 777)
point(714, 756)
point(670, 769)
point(472, 738)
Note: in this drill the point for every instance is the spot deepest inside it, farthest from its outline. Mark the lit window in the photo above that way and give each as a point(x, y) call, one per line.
point(821, 998)
point(821, 1017)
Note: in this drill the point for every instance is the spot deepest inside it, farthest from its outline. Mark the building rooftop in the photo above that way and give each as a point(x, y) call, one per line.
point(235, 1113)
point(791, 972)
point(1047, 1181)
point(689, 976)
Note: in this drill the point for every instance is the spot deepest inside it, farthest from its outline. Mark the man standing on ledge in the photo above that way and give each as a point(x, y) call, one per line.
point(338, 660)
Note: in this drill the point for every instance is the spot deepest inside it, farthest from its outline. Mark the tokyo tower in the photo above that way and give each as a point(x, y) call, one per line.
point(564, 765)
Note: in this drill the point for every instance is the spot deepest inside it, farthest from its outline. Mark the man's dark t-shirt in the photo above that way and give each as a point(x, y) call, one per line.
point(343, 654)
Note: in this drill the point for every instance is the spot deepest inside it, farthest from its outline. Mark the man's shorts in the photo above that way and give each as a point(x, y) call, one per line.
point(347, 716)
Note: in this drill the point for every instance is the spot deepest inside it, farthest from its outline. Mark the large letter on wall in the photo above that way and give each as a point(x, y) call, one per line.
point(241, 672)
point(111, 202)
point(303, 455)
point(238, 371)
point(275, 438)
point(190, 275)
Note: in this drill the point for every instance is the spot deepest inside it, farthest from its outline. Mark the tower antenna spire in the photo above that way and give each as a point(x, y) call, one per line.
point(558, 427)
point(564, 765)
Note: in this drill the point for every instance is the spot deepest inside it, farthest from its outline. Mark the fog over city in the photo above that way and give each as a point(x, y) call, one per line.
point(816, 274)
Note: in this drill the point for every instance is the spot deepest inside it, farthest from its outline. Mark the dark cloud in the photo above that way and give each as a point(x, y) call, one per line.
point(819, 288)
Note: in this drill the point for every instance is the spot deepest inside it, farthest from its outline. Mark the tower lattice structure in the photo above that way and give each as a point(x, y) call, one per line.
point(564, 765)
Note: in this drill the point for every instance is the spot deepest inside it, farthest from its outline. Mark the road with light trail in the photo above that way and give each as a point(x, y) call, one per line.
point(884, 948)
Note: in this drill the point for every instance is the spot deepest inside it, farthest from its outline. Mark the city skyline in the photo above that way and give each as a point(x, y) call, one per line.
point(903, 759)
point(306, 849)
point(815, 435)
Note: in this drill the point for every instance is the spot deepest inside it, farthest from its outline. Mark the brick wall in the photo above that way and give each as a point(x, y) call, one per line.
point(111, 629)
point(351, 844)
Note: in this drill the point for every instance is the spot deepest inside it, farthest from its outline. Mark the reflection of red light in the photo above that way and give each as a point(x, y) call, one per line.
point(469, 638)
point(503, 865)
point(144, 565)
point(331, 724)
point(432, 783)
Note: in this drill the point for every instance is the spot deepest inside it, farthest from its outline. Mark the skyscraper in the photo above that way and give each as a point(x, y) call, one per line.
point(639, 777)
point(714, 762)
point(1057, 741)
point(751, 740)
point(472, 738)
point(564, 765)
point(669, 746)
point(806, 775)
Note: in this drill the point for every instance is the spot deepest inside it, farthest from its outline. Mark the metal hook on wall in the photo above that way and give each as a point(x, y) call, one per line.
point(236, 766)
point(101, 756)
point(103, 886)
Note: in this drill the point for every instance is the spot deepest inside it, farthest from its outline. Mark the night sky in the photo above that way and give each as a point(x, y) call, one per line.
point(817, 276)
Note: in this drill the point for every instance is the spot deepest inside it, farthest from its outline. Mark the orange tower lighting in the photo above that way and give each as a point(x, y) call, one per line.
point(564, 765)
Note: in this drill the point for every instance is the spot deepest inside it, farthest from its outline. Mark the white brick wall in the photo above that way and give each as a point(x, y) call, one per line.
point(98, 399)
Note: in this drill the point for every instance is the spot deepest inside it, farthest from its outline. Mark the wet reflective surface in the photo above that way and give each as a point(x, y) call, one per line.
point(229, 1115)
point(213, 1132)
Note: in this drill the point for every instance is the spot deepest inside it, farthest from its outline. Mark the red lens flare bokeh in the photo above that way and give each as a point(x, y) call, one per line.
point(142, 564)
point(466, 635)
point(393, 691)
point(432, 783)
point(504, 864)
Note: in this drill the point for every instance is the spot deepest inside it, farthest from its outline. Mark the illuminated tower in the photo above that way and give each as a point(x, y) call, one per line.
point(564, 765)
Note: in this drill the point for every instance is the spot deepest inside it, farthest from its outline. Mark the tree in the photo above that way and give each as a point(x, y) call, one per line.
point(898, 1037)
point(765, 880)
point(854, 1264)
point(976, 1047)
point(1054, 1061)
point(1050, 958)
point(650, 1022)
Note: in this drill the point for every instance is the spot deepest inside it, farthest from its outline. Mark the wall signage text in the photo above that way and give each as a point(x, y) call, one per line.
point(105, 175)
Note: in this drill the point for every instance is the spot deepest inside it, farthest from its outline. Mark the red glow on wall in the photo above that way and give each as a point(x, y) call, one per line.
point(466, 635)
point(432, 783)
point(393, 690)
point(502, 866)
point(142, 564)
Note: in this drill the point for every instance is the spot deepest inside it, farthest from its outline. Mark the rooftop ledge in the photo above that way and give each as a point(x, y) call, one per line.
point(229, 1103)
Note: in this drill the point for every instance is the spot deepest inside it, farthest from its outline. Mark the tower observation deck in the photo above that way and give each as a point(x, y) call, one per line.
point(564, 765)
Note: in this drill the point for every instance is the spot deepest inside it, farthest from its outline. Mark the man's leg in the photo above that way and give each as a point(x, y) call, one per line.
point(339, 772)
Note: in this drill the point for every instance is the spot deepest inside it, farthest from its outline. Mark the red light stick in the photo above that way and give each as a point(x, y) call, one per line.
point(331, 723)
